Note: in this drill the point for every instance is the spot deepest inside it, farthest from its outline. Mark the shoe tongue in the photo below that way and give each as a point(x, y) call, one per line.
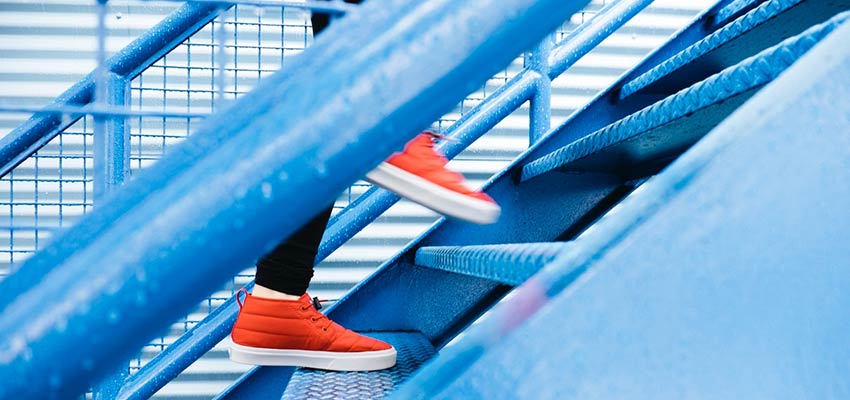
point(423, 148)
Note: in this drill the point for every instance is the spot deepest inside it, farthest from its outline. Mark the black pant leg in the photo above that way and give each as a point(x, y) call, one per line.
point(321, 21)
point(289, 267)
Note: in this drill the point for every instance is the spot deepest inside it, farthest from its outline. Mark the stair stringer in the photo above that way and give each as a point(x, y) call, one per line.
point(724, 277)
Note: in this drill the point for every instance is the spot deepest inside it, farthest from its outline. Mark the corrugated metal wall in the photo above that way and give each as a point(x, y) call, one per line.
point(46, 46)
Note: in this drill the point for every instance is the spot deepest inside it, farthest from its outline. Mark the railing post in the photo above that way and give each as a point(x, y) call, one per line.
point(541, 103)
point(111, 158)
point(111, 140)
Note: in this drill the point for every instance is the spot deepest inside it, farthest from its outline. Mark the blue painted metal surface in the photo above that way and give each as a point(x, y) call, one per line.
point(238, 179)
point(510, 264)
point(111, 142)
point(98, 111)
point(351, 220)
point(32, 135)
point(538, 201)
point(540, 114)
point(202, 337)
point(413, 350)
point(671, 125)
point(762, 27)
point(587, 36)
point(323, 6)
point(270, 383)
point(602, 111)
point(342, 227)
point(735, 9)
point(727, 272)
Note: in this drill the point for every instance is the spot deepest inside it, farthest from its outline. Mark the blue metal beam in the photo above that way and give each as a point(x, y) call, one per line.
point(540, 113)
point(111, 141)
point(725, 274)
point(246, 180)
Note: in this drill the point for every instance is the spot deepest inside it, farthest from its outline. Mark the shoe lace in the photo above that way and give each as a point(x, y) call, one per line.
point(317, 316)
point(240, 297)
point(440, 136)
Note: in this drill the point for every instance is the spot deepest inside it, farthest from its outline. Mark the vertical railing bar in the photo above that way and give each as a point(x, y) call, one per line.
point(540, 116)
point(221, 63)
point(61, 176)
point(188, 82)
point(111, 159)
point(140, 121)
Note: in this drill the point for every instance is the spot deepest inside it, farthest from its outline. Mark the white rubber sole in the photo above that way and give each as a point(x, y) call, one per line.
point(433, 196)
point(327, 360)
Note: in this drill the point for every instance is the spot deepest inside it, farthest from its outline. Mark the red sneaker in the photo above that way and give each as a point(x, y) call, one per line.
point(294, 333)
point(419, 174)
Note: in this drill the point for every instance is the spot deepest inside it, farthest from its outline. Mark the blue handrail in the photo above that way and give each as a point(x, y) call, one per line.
point(238, 179)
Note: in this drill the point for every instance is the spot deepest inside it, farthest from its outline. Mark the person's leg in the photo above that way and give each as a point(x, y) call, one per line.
point(286, 271)
point(279, 325)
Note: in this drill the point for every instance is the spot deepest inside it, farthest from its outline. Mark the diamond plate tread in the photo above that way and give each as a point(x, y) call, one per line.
point(732, 39)
point(733, 8)
point(510, 264)
point(310, 384)
point(727, 33)
point(743, 77)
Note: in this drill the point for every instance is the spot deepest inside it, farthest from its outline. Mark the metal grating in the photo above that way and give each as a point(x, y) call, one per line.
point(413, 351)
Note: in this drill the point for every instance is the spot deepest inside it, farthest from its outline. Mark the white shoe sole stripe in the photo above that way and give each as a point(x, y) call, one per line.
point(433, 196)
point(327, 360)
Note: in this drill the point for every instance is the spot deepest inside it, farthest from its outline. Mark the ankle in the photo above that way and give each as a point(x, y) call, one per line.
point(266, 293)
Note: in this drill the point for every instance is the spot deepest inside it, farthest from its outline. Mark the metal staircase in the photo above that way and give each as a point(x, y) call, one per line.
point(621, 227)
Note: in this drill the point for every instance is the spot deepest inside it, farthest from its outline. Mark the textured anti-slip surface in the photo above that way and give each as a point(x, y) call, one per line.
point(413, 350)
point(711, 42)
point(510, 264)
point(749, 74)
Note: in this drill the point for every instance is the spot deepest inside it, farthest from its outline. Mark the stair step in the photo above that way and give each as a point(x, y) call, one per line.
point(663, 130)
point(758, 29)
point(413, 350)
point(511, 264)
point(735, 8)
